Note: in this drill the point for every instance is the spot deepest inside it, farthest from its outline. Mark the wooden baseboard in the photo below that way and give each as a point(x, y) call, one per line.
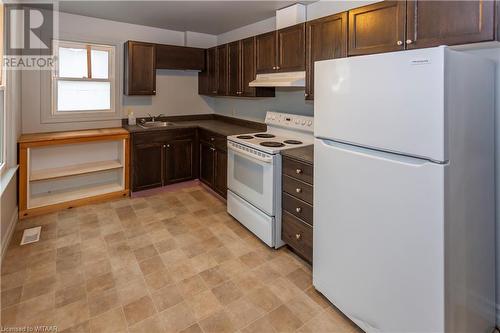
point(71, 204)
point(8, 236)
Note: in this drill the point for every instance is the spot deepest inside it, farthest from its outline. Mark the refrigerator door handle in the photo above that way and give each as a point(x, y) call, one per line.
point(378, 154)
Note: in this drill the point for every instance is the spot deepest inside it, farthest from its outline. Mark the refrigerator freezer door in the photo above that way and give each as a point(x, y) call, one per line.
point(378, 237)
point(370, 100)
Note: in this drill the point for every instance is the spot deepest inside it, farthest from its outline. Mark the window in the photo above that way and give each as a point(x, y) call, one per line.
point(83, 80)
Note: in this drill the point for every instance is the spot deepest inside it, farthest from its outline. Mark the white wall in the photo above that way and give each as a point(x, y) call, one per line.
point(177, 91)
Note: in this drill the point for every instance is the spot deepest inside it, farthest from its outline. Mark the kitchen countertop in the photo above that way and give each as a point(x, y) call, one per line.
point(217, 126)
point(304, 154)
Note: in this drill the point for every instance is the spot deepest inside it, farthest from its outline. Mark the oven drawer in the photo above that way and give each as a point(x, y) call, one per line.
point(297, 207)
point(298, 235)
point(298, 189)
point(298, 170)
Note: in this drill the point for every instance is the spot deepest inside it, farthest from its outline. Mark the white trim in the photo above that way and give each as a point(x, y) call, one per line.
point(10, 232)
point(53, 116)
point(6, 177)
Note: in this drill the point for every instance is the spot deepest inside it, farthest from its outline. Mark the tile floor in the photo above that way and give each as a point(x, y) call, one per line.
point(171, 262)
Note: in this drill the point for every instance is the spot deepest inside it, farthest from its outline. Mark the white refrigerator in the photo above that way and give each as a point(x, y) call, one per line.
point(404, 190)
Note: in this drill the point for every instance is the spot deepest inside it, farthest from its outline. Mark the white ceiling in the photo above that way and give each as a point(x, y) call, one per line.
point(211, 17)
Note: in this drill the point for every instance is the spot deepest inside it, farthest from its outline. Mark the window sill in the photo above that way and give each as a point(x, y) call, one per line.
point(6, 177)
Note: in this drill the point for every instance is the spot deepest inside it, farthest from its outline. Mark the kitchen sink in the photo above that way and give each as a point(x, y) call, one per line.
point(154, 124)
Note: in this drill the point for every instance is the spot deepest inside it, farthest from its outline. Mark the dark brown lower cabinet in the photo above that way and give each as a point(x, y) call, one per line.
point(213, 161)
point(207, 163)
point(220, 179)
point(163, 158)
point(179, 155)
point(148, 166)
point(297, 207)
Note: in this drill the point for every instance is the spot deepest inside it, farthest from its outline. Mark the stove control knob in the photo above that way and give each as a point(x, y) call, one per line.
point(309, 123)
point(303, 122)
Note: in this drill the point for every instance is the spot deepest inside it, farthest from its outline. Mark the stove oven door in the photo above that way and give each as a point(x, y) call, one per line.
point(251, 174)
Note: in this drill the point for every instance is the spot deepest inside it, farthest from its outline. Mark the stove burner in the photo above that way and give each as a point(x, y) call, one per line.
point(245, 137)
point(265, 135)
point(293, 142)
point(272, 144)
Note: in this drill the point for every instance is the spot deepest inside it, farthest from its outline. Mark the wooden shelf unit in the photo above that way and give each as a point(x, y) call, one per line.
point(63, 186)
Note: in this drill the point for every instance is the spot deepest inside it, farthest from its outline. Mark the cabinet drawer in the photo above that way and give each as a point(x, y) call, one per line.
point(298, 189)
point(298, 235)
point(298, 170)
point(297, 207)
point(162, 136)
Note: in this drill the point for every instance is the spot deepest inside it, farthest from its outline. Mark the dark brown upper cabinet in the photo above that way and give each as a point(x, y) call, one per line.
point(179, 57)
point(326, 38)
point(282, 50)
point(248, 71)
point(266, 53)
point(140, 68)
point(377, 28)
point(291, 46)
point(433, 23)
point(222, 70)
point(207, 80)
point(234, 82)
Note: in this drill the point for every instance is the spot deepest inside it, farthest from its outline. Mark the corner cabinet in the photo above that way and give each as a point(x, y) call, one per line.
point(163, 157)
point(139, 68)
point(326, 39)
point(213, 161)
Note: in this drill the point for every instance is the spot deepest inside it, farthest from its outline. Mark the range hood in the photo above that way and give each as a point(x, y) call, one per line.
point(288, 79)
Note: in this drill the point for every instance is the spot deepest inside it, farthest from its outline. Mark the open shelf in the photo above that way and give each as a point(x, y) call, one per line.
point(60, 196)
point(72, 170)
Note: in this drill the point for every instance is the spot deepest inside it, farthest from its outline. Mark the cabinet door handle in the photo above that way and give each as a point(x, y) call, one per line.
point(164, 146)
point(298, 190)
point(306, 95)
point(298, 171)
point(298, 209)
point(274, 67)
point(298, 236)
point(399, 42)
point(212, 139)
point(409, 41)
point(277, 67)
point(168, 146)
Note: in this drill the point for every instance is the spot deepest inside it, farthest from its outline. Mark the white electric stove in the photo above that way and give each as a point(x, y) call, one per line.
point(254, 173)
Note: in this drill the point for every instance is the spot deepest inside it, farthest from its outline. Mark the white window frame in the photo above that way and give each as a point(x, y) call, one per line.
point(85, 115)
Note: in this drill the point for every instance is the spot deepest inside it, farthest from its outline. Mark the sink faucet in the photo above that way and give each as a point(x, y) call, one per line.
point(153, 118)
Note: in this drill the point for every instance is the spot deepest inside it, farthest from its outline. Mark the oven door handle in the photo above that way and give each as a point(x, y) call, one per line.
point(252, 156)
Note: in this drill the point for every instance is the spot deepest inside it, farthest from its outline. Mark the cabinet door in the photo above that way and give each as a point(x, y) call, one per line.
point(266, 53)
point(140, 68)
point(292, 48)
point(433, 23)
point(222, 67)
point(234, 76)
point(326, 39)
point(207, 163)
point(179, 160)
point(212, 70)
point(377, 28)
point(247, 66)
point(148, 166)
point(220, 181)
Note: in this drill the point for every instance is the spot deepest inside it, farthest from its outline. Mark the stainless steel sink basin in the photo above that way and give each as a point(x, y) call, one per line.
point(154, 124)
